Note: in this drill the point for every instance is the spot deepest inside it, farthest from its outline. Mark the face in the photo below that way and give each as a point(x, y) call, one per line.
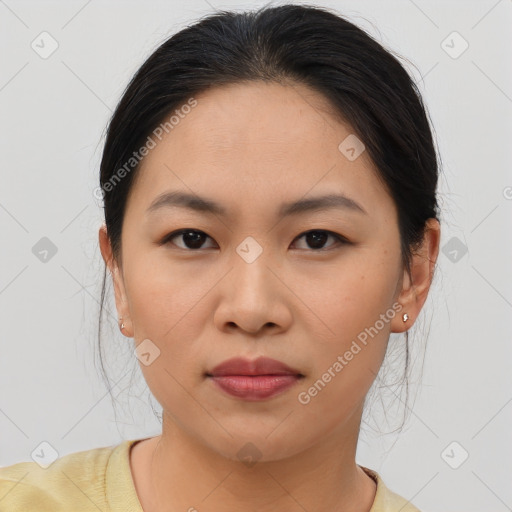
point(316, 289)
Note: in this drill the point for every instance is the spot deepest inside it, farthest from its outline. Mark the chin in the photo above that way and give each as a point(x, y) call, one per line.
point(255, 445)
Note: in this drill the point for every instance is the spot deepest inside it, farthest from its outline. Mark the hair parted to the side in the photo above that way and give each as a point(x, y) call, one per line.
point(366, 85)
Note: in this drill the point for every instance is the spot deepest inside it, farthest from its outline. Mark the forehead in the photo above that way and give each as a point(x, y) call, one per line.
point(257, 142)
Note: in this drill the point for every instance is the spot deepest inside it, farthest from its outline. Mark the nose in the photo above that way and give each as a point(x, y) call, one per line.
point(253, 298)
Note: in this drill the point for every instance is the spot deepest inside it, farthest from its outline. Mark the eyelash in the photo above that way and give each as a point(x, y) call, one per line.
point(340, 239)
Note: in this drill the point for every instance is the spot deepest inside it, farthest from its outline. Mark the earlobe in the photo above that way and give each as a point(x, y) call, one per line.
point(121, 302)
point(404, 318)
point(117, 280)
point(416, 286)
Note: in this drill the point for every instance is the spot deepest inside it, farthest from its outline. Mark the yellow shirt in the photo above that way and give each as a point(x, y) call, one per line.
point(100, 479)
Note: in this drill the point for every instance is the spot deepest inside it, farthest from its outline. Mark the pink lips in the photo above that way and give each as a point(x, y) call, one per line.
point(254, 380)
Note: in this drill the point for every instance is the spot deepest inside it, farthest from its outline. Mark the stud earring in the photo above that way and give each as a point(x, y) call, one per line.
point(405, 317)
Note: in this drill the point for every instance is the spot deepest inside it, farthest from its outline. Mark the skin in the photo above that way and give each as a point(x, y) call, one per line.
point(252, 147)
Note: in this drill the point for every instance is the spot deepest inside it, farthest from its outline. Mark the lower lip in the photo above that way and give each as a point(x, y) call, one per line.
point(258, 387)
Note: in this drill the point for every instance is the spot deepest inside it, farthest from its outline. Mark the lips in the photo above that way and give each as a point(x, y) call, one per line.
point(255, 380)
point(260, 366)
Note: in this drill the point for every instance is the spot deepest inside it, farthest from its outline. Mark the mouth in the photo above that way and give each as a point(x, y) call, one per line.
point(254, 380)
point(257, 367)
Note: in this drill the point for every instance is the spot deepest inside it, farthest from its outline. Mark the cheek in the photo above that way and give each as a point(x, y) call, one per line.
point(348, 359)
point(354, 302)
point(162, 296)
point(169, 307)
point(348, 297)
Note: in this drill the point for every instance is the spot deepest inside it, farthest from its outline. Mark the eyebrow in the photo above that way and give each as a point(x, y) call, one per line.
point(204, 205)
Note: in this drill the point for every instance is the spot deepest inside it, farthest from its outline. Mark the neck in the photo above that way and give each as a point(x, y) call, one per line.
point(184, 474)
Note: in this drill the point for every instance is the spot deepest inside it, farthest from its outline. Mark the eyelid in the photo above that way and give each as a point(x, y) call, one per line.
point(167, 238)
point(341, 240)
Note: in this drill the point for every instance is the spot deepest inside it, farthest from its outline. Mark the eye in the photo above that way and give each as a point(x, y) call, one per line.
point(317, 238)
point(192, 238)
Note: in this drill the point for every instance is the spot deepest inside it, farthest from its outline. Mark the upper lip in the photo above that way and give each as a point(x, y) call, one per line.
point(259, 366)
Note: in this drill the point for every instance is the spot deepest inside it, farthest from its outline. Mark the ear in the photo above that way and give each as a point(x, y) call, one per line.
point(415, 288)
point(123, 312)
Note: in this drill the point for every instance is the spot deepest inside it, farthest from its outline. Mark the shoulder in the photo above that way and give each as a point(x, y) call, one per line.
point(74, 481)
point(385, 499)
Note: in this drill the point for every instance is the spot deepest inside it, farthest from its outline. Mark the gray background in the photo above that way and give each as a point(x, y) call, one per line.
point(53, 114)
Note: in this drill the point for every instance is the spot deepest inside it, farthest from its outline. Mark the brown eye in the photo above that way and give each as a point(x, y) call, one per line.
point(317, 238)
point(191, 239)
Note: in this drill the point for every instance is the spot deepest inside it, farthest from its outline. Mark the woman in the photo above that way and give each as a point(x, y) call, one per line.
point(269, 183)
